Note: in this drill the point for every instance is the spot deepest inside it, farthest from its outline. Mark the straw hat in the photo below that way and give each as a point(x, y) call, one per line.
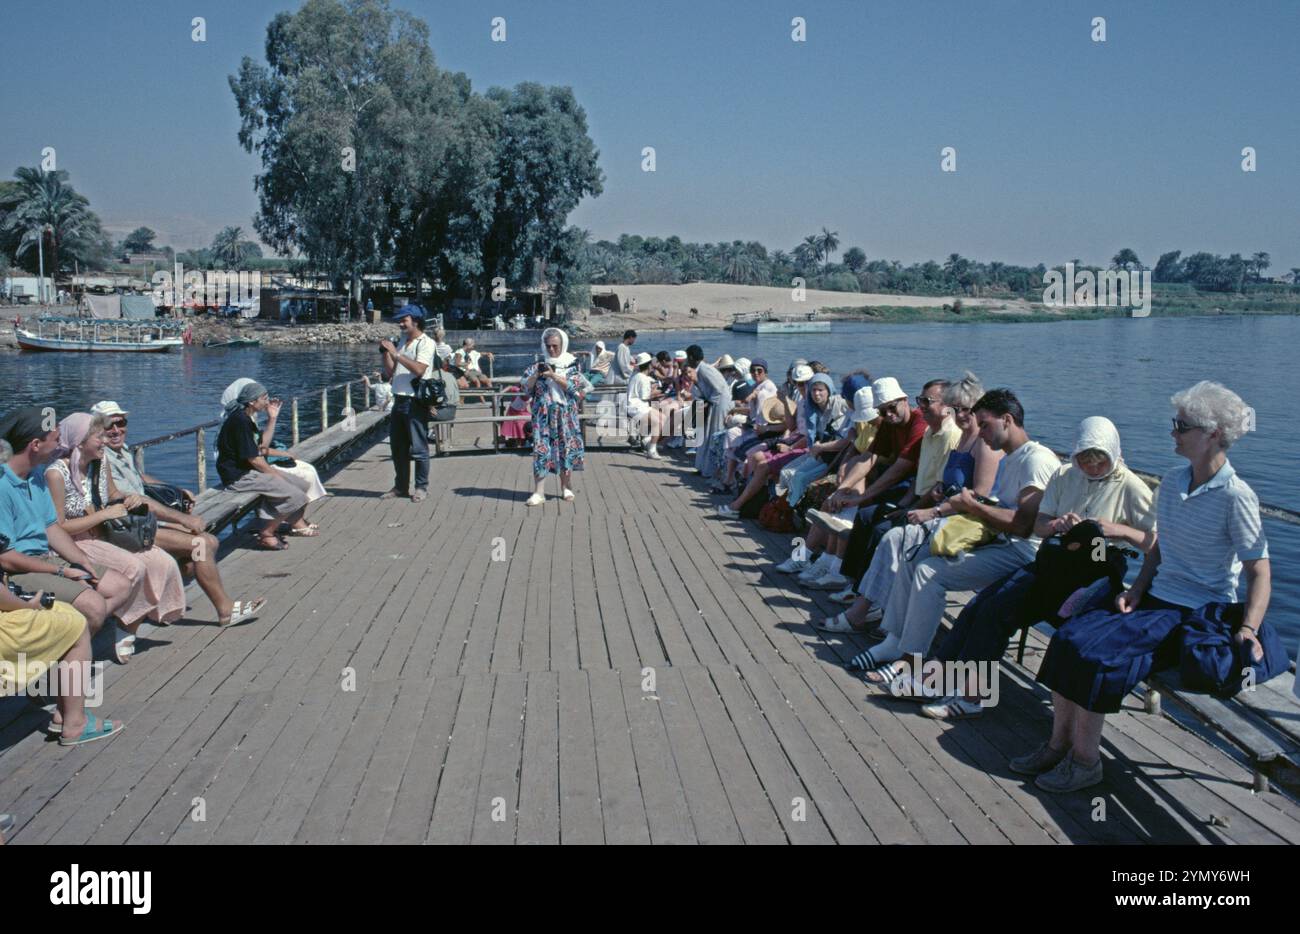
point(725, 361)
point(775, 409)
point(802, 373)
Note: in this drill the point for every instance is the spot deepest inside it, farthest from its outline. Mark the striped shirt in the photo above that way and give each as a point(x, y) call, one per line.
point(1205, 535)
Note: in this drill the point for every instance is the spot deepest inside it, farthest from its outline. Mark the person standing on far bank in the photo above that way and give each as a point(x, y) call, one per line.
point(408, 424)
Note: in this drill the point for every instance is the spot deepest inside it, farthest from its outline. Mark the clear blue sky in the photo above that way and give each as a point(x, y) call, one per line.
point(1065, 147)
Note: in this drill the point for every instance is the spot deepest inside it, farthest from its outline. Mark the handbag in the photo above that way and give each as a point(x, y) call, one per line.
point(777, 516)
point(133, 532)
point(168, 495)
point(1060, 570)
point(958, 534)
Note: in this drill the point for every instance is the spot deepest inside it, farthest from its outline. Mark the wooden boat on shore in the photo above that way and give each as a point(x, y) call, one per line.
point(233, 342)
point(766, 322)
point(97, 335)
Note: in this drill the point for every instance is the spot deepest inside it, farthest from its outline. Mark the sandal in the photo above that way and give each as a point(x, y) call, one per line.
point(240, 611)
point(863, 661)
point(310, 532)
point(535, 500)
point(837, 623)
point(95, 729)
point(270, 544)
point(885, 675)
point(568, 495)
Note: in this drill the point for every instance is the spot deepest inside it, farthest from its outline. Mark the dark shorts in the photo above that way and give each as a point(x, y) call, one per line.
point(63, 588)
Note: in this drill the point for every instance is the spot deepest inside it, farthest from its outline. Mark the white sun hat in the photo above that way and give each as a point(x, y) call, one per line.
point(864, 409)
point(885, 390)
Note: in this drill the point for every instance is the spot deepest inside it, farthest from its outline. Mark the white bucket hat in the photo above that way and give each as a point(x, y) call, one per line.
point(802, 373)
point(642, 359)
point(742, 365)
point(885, 390)
point(864, 409)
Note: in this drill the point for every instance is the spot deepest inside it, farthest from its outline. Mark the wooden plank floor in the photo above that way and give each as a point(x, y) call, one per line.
point(623, 669)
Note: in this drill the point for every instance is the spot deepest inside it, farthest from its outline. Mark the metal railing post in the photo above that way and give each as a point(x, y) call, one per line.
point(200, 445)
point(347, 399)
point(324, 408)
point(293, 417)
point(367, 395)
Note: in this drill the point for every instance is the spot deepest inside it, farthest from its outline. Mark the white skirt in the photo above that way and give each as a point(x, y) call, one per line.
point(303, 475)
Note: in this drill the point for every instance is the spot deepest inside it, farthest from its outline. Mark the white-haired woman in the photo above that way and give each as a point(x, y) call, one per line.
point(1209, 531)
point(555, 387)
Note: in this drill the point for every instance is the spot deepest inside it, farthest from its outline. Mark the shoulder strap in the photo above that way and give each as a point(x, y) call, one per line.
point(94, 484)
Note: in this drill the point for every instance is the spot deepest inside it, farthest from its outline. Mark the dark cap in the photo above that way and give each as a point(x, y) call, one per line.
point(414, 312)
point(758, 361)
point(23, 426)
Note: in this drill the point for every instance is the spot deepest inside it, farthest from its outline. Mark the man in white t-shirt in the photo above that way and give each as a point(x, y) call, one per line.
point(466, 359)
point(408, 424)
point(916, 601)
point(623, 367)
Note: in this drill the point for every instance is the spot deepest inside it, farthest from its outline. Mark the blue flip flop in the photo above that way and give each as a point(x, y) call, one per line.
point(95, 729)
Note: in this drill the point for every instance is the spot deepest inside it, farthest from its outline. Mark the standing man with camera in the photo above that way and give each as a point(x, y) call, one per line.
point(408, 425)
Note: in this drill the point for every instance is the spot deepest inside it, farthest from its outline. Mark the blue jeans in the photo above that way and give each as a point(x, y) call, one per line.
point(408, 435)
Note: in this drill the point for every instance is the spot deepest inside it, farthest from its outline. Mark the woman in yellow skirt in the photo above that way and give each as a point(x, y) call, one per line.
point(36, 644)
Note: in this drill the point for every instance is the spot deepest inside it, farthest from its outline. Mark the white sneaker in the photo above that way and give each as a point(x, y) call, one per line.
point(535, 500)
point(832, 580)
point(568, 495)
point(652, 452)
point(847, 596)
point(792, 566)
point(726, 512)
point(813, 573)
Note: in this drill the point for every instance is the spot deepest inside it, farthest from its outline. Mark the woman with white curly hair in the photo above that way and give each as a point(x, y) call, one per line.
point(1209, 532)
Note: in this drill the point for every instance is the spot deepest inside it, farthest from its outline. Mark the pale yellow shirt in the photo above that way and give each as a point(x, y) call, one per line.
point(1122, 497)
point(935, 448)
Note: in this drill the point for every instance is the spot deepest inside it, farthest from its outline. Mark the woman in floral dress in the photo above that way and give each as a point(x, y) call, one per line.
point(555, 388)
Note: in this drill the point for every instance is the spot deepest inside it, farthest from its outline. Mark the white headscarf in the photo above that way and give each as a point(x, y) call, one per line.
point(565, 358)
point(230, 398)
point(1098, 433)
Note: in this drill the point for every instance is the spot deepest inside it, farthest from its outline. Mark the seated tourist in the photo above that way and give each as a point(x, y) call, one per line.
point(38, 643)
point(381, 391)
point(670, 407)
point(1093, 496)
point(182, 535)
point(1209, 533)
point(752, 428)
point(911, 584)
point(515, 432)
point(821, 419)
point(947, 462)
point(882, 475)
point(467, 361)
point(641, 393)
point(243, 468)
point(85, 498)
point(601, 361)
point(37, 554)
point(822, 457)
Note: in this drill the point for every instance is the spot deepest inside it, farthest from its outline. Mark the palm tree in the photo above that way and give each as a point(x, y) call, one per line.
point(1295, 275)
point(229, 248)
point(828, 241)
point(44, 205)
point(1260, 261)
point(739, 264)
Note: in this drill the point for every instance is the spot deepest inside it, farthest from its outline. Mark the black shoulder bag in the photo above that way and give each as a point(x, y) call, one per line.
point(135, 531)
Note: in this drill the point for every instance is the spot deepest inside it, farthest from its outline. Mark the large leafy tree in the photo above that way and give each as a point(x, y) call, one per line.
point(545, 164)
point(139, 240)
point(328, 114)
point(1125, 259)
point(42, 209)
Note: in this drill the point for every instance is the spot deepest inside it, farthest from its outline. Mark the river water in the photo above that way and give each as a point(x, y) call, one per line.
point(1125, 369)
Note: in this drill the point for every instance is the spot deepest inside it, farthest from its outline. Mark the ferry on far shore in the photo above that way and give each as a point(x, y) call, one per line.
point(767, 322)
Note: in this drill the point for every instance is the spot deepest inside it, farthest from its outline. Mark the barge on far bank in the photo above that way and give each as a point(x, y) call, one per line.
point(767, 322)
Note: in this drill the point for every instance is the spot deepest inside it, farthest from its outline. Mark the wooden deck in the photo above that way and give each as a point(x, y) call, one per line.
point(505, 701)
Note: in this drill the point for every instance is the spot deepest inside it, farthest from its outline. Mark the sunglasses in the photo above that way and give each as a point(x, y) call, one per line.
point(926, 400)
point(1181, 427)
point(117, 423)
point(890, 407)
point(961, 409)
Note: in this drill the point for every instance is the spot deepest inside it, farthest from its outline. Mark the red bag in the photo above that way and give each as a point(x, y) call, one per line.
point(777, 516)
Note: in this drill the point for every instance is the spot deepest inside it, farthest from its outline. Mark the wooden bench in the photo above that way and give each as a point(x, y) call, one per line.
point(220, 507)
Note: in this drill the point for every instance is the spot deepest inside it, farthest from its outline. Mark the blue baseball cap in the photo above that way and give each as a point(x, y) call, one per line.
point(414, 312)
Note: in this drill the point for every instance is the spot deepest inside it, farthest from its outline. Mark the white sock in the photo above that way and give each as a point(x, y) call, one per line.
point(890, 650)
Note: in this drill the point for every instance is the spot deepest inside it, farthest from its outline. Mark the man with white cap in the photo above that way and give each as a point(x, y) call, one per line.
point(892, 458)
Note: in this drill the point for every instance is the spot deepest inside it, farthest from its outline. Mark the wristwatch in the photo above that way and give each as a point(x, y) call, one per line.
point(59, 571)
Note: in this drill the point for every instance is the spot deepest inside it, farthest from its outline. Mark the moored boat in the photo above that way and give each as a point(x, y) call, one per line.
point(88, 334)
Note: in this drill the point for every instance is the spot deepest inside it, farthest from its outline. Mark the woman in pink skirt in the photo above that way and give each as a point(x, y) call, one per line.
point(158, 589)
point(515, 431)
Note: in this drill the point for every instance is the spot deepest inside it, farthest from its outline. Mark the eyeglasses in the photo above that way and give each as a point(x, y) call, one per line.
point(1181, 427)
point(117, 423)
point(926, 400)
point(889, 408)
point(961, 409)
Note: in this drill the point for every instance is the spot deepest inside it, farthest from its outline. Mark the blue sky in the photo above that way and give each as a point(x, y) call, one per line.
point(1065, 147)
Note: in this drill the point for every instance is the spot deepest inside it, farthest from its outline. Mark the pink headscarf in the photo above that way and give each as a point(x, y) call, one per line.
point(72, 431)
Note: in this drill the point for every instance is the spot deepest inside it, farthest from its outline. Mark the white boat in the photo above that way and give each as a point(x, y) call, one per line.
point(765, 322)
point(89, 334)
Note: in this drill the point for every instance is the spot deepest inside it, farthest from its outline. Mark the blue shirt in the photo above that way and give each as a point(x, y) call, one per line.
point(1205, 535)
point(26, 511)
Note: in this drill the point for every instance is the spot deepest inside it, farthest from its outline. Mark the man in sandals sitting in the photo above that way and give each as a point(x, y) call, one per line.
point(244, 469)
point(182, 535)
